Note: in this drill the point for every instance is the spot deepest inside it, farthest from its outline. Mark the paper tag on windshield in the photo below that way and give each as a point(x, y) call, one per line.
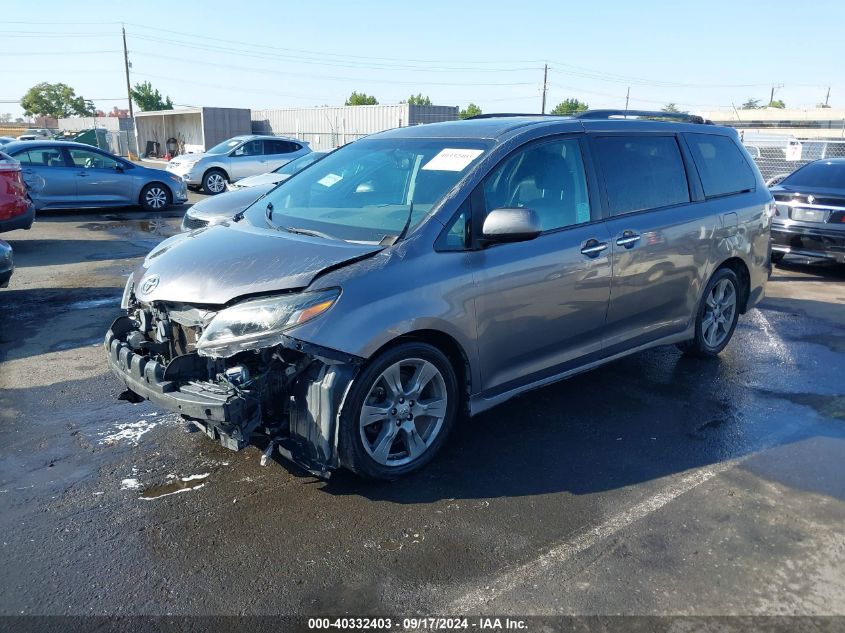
point(329, 179)
point(451, 159)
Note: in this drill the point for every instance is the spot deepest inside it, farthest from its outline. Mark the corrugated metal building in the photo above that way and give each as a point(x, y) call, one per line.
point(329, 127)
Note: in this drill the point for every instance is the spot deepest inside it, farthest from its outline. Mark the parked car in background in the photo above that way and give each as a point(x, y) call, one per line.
point(353, 313)
point(237, 158)
point(16, 209)
point(34, 134)
point(218, 209)
point(278, 175)
point(7, 264)
point(5, 140)
point(61, 174)
point(810, 212)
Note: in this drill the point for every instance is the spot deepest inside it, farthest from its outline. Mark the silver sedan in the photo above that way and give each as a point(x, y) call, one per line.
point(61, 174)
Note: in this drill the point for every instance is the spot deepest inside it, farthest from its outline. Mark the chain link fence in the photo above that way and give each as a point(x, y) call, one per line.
point(777, 156)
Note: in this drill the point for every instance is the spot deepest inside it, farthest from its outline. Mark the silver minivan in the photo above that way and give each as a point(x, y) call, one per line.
point(351, 316)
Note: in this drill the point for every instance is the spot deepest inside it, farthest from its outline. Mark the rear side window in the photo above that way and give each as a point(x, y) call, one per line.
point(280, 147)
point(642, 172)
point(41, 157)
point(721, 166)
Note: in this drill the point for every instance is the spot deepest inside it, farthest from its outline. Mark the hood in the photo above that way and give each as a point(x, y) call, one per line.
point(270, 178)
point(215, 265)
point(184, 158)
point(224, 205)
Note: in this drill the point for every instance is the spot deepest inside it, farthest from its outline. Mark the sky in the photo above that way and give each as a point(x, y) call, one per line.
point(288, 53)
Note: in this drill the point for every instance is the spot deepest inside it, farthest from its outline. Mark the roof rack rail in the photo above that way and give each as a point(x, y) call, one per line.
point(496, 115)
point(642, 114)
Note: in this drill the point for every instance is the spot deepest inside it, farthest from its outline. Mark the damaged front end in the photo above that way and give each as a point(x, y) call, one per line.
point(235, 374)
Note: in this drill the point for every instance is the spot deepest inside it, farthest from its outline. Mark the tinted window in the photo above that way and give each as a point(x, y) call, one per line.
point(41, 157)
point(280, 147)
point(457, 236)
point(548, 178)
point(642, 172)
point(825, 174)
point(721, 166)
point(250, 148)
point(91, 160)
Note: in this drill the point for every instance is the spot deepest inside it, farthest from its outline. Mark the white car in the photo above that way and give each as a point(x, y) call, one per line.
point(36, 134)
point(237, 158)
point(278, 175)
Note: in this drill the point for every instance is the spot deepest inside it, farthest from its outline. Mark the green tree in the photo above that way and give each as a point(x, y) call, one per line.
point(570, 106)
point(361, 99)
point(55, 100)
point(777, 103)
point(751, 104)
point(672, 108)
point(149, 99)
point(470, 111)
point(419, 100)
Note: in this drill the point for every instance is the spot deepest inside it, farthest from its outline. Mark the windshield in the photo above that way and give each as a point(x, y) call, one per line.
point(225, 146)
point(822, 174)
point(298, 164)
point(366, 191)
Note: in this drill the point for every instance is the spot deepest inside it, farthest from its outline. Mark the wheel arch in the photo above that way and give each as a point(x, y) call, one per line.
point(743, 274)
point(449, 346)
point(215, 168)
point(150, 183)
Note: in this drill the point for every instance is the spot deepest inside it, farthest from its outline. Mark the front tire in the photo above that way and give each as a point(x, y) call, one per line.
point(214, 182)
point(398, 412)
point(717, 315)
point(155, 197)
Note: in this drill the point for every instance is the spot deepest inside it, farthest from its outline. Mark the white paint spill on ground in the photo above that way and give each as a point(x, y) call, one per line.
point(130, 484)
point(131, 432)
point(175, 486)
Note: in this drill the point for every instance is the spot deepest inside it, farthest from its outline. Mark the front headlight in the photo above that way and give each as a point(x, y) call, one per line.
point(259, 322)
point(127, 293)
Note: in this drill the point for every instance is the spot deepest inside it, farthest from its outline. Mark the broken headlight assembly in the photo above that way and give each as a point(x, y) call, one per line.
point(259, 322)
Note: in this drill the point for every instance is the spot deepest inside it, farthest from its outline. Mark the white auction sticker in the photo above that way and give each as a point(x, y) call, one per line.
point(451, 159)
point(330, 179)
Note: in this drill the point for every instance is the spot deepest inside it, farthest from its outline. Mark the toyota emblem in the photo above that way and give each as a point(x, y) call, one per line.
point(148, 284)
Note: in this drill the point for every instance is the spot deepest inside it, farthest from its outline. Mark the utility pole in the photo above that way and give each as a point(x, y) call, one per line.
point(627, 97)
point(827, 98)
point(545, 87)
point(129, 92)
point(772, 95)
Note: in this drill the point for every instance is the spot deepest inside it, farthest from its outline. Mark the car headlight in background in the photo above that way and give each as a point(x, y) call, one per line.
point(259, 322)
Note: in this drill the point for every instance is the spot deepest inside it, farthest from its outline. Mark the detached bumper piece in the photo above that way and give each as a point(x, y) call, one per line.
point(224, 414)
point(810, 242)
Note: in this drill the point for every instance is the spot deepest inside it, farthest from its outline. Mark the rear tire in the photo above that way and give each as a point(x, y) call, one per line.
point(717, 315)
point(398, 412)
point(214, 182)
point(155, 197)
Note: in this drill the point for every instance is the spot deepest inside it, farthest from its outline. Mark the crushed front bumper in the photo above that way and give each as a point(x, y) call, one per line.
point(225, 411)
point(301, 420)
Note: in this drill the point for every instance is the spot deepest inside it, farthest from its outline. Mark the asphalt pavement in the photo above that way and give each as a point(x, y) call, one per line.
point(657, 484)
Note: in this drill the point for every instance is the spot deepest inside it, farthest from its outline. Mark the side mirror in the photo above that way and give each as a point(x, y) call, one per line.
point(510, 225)
point(118, 168)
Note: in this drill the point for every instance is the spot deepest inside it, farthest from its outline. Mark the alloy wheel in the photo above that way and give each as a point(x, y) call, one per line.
point(156, 198)
point(403, 412)
point(215, 183)
point(719, 312)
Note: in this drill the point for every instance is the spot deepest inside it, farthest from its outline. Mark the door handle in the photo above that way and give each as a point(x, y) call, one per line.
point(593, 247)
point(628, 239)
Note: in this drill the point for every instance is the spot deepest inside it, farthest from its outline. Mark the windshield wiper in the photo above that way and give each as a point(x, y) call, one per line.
point(312, 233)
